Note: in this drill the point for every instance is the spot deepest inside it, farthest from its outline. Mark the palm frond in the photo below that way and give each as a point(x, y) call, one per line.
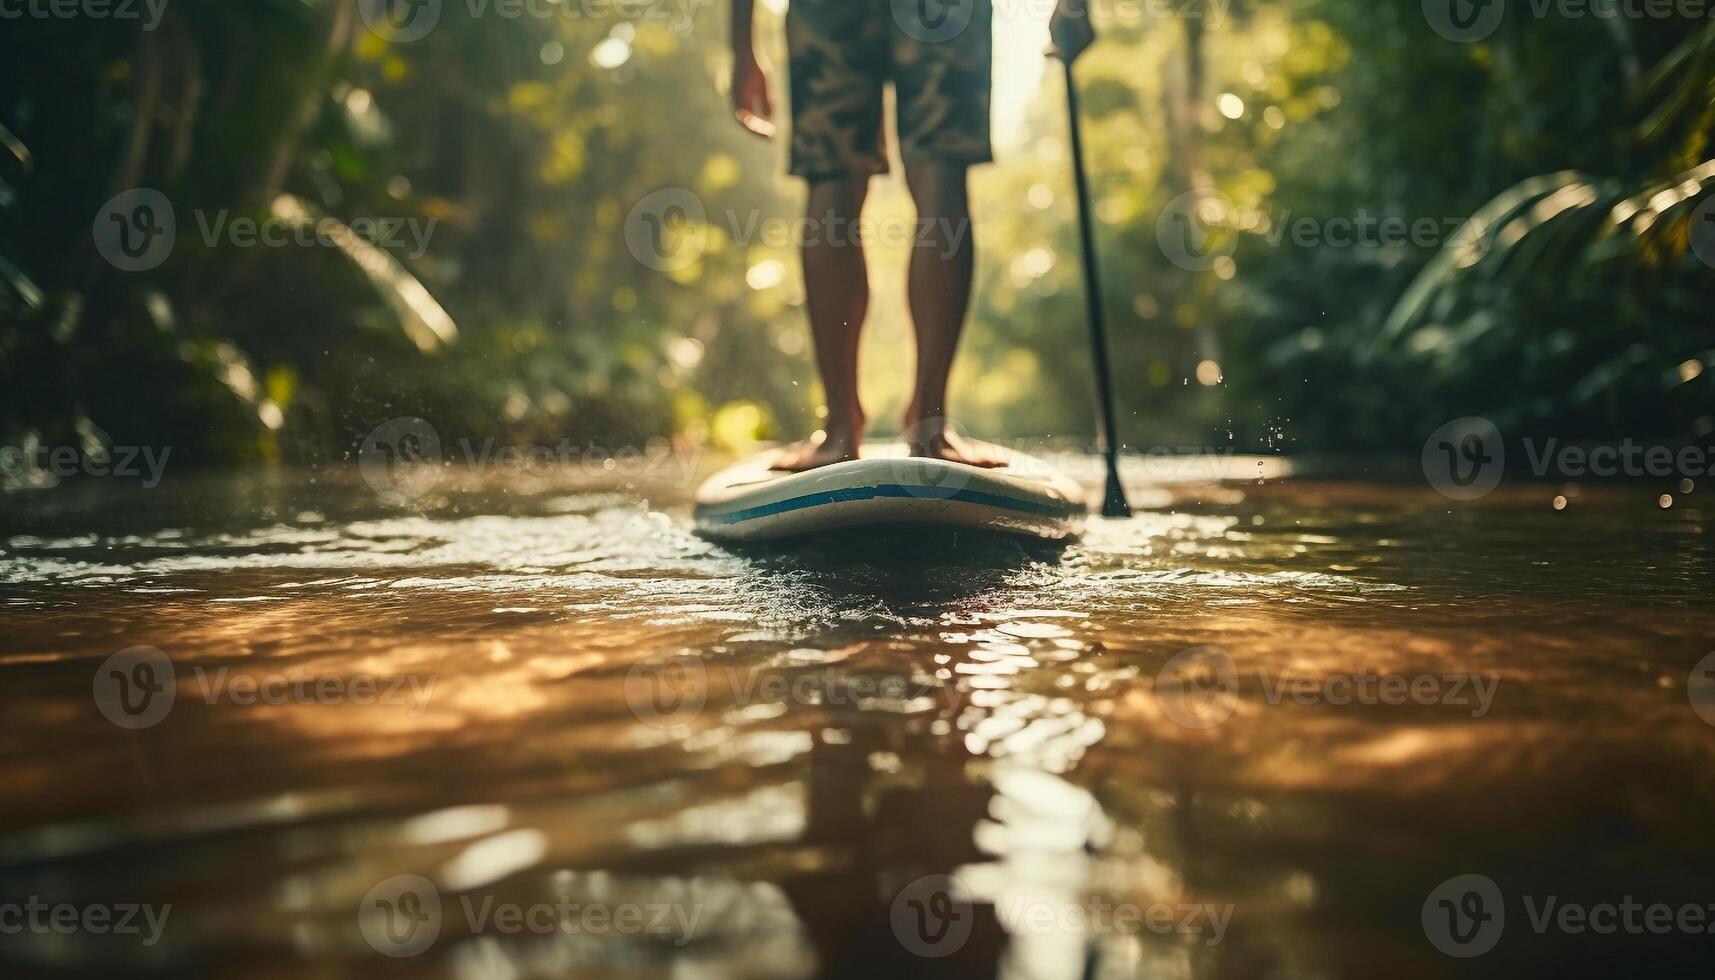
point(422, 319)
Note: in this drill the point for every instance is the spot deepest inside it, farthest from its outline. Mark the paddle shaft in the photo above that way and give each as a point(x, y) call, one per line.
point(1114, 503)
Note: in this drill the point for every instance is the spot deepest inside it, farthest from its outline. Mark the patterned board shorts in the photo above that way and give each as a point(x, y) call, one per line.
point(842, 52)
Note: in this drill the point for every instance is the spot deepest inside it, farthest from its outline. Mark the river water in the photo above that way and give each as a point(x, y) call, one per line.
point(531, 728)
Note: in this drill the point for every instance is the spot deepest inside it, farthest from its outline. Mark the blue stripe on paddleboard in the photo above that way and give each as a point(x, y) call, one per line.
point(889, 490)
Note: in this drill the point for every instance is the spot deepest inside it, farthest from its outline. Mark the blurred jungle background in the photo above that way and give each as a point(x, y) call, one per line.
point(1561, 161)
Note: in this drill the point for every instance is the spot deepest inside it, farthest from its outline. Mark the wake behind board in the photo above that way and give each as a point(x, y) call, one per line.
point(748, 501)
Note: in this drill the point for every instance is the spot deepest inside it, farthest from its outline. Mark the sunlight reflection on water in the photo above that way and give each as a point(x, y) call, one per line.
point(865, 713)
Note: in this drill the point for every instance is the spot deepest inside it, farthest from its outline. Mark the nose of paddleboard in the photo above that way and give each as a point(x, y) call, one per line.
point(749, 501)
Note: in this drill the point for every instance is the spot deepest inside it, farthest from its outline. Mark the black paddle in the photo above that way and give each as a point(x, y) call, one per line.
point(1071, 34)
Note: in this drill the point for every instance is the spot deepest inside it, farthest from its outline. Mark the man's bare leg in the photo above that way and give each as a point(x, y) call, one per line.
point(939, 291)
point(836, 291)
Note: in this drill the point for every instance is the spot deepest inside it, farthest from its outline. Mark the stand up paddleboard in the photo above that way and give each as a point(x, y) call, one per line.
point(748, 501)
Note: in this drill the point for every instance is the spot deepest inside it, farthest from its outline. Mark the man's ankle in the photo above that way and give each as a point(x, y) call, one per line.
point(848, 426)
point(925, 428)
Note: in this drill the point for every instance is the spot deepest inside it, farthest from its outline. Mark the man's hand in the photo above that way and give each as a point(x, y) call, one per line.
point(1071, 29)
point(751, 101)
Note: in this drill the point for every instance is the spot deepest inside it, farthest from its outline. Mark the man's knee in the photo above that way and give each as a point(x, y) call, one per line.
point(943, 207)
point(842, 195)
point(832, 210)
point(938, 187)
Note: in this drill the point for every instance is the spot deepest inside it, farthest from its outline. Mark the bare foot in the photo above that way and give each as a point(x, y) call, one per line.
point(944, 443)
point(834, 447)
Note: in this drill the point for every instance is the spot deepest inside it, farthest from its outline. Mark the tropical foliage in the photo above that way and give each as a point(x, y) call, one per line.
point(1402, 229)
point(1550, 175)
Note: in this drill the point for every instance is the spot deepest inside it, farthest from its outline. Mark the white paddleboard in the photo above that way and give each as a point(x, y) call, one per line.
point(748, 501)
